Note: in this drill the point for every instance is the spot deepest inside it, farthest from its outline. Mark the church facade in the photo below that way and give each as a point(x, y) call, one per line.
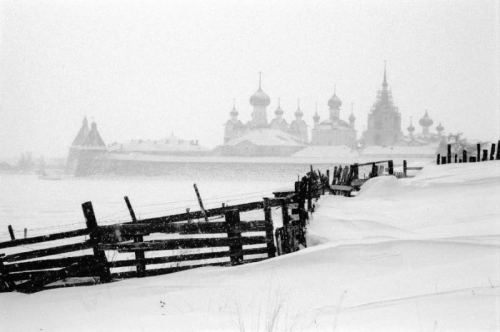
point(334, 130)
point(260, 137)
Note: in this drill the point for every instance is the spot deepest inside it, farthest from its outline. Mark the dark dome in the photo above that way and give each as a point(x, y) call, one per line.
point(334, 102)
point(426, 121)
point(260, 98)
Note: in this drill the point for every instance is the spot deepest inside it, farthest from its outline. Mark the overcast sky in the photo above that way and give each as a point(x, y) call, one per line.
point(143, 69)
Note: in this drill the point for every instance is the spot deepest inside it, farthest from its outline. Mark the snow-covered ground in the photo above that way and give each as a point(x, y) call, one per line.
point(419, 254)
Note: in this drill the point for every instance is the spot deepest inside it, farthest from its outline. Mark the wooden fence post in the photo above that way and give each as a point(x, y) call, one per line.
point(448, 154)
point(492, 155)
point(200, 202)
point(102, 268)
point(456, 158)
point(234, 233)
point(286, 223)
point(11, 232)
point(25, 232)
point(139, 255)
point(309, 195)
point(478, 157)
point(438, 159)
point(498, 151)
point(443, 160)
point(391, 167)
point(6, 283)
point(405, 168)
point(485, 155)
point(328, 176)
point(271, 248)
point(464, 156)
point(374, 172)
point(472, 159)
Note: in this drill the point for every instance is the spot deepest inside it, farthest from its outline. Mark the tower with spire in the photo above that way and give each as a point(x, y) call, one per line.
point(334, 130)
point(85, 150)
point(384, 119)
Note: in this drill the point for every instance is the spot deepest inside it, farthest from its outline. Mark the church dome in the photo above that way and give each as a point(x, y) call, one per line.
point(334, 102)
point(298, 113)
point(278, 111)
point(352, 118)
point(260, 98)
point(411, 128)
point(234, 112)
point(426, 121)
point(316, 117)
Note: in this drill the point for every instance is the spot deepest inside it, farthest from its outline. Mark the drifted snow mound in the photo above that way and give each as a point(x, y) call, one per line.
point(379, 186)
point(458, 173)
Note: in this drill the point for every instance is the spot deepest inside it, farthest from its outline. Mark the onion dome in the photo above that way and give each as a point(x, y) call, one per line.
point(316, 117)
point(234, 111)
point(334, 102)
point(426, 121)
point(279, 111)
point(260, 98)
point(440, 128)
point(411, 128)
point(298, 113)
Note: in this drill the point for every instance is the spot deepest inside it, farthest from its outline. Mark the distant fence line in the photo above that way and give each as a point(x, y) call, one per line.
point(469, 156)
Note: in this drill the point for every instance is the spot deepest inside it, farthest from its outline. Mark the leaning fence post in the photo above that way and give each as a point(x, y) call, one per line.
point(492, 155)
point(11, 232)
point(102, 268)
point(485, 155)
point(139, 255)
point(234, 234)
point(271, 249)
point(200, 202)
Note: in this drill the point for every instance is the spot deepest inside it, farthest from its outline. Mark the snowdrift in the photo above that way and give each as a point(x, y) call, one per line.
point(418, 254)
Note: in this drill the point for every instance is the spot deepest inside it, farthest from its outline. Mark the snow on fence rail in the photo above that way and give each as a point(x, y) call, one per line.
point(176, 242)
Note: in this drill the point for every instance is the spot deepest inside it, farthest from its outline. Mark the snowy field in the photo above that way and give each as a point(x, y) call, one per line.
point(45, 206)
point(419, 254)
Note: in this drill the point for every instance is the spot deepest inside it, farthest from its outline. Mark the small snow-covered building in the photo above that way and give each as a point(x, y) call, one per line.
point(172, 145)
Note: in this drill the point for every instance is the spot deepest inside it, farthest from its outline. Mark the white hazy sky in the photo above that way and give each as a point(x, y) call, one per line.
point(143, 69)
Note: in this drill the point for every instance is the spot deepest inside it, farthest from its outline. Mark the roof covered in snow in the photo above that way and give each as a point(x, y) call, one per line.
point(266, 137)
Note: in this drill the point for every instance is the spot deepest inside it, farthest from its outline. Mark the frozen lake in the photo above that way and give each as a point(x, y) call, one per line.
point(45, 206)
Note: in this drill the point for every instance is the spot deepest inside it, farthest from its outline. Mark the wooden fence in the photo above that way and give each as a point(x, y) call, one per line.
point(493, 153)
point(177, 242)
